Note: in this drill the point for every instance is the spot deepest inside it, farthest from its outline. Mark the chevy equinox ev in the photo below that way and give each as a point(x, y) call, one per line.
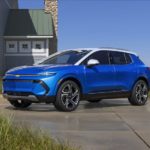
point(67, 77)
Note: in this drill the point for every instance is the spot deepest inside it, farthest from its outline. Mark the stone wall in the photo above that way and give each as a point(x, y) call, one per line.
point(51, 6)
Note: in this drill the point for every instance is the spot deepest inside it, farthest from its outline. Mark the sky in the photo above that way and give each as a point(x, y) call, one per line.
point(102, 23)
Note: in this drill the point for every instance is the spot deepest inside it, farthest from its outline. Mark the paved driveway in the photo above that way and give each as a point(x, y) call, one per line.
point(108, 125)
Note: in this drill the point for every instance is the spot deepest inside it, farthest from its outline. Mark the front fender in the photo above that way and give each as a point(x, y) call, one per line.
point(65, 77)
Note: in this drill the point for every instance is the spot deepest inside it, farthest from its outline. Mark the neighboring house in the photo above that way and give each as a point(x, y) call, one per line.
point(29, 35)
point(5, 6)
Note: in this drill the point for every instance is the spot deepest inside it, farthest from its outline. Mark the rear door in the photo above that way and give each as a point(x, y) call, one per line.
point(100, 78)
point(125, 71)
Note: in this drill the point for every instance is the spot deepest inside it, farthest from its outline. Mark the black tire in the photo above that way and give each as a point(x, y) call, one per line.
point(68, 96)
point(139, 94)
point(95, 100)
point(20, 104)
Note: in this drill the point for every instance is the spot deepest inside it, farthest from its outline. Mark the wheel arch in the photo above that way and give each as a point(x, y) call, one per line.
point(72, 79)
point(142, 78)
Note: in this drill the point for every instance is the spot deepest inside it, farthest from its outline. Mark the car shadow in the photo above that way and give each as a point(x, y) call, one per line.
point(106, 104)
point(34, 108)
point(83, 105)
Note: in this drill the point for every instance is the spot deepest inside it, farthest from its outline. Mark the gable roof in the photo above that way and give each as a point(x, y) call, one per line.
point(24, 22)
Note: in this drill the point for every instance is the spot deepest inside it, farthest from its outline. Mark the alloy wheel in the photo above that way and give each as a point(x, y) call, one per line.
point(141, 92)
point(70, 96)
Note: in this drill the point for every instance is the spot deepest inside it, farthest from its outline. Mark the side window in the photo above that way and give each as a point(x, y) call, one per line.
point(128, 58)
point(117, 58)
point(101, 56)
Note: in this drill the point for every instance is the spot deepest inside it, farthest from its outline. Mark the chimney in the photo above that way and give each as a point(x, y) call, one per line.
point(51, 6)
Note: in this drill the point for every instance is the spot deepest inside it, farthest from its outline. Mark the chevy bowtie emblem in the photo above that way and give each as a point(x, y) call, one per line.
point(17, 75)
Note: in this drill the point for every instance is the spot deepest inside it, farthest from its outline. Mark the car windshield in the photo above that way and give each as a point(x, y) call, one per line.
point(68, 57)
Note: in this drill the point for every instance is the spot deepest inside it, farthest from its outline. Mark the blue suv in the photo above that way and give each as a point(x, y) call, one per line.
point(67, 77)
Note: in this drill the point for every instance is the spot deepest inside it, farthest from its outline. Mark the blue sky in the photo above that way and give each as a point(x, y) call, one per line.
point(102, 23)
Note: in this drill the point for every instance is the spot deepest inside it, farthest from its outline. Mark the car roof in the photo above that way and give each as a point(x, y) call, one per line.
point(104, 49)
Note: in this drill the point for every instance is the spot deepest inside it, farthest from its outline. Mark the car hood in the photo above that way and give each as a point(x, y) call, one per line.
point(27, 70)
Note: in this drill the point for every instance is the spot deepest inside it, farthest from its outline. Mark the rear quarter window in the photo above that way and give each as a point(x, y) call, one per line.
point(128, 58)
point(117, 58)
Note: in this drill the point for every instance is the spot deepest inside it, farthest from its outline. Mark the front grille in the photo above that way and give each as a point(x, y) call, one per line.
point(23, 86)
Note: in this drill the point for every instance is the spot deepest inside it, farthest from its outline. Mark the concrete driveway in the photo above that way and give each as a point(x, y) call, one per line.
point(108, 125)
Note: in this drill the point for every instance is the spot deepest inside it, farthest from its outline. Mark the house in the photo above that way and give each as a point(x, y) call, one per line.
point(27, 35)
point(5, 6)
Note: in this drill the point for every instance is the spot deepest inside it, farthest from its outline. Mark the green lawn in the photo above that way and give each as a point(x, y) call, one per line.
point(18, 137)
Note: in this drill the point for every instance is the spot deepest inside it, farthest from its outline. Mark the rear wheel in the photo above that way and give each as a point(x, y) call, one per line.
point(20, 103)
point(95, 100)
point(139, 94)
point(68, 96)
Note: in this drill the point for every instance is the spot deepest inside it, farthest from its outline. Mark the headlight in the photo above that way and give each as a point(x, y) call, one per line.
point(47, 73)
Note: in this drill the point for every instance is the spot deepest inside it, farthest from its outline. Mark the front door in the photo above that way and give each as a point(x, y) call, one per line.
point(100, 78)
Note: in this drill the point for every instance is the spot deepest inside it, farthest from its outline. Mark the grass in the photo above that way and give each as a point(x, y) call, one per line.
point(22, 138)
point(0, 85)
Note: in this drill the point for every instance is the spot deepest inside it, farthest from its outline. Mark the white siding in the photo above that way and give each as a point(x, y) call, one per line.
point(20, 56)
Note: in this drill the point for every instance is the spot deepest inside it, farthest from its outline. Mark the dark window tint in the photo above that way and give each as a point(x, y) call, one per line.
point(128, 58)
point(117, 58)
point(101, 56)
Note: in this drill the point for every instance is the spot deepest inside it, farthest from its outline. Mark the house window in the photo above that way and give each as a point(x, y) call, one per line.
point(11, 46)
point(25, 47)
point(38, 47)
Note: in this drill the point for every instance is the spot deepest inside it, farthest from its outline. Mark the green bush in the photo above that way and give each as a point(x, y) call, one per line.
point(22, 138)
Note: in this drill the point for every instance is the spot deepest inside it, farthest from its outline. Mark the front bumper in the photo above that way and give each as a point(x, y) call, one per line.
point(35, 87)
point(35, 91)
point(29, 97)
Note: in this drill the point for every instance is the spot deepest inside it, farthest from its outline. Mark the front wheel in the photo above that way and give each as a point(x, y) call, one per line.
point(20, 104)
point(139, 94)
point(68, 96)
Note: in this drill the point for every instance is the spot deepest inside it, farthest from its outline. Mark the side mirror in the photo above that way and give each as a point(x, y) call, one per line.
point(92, 62)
